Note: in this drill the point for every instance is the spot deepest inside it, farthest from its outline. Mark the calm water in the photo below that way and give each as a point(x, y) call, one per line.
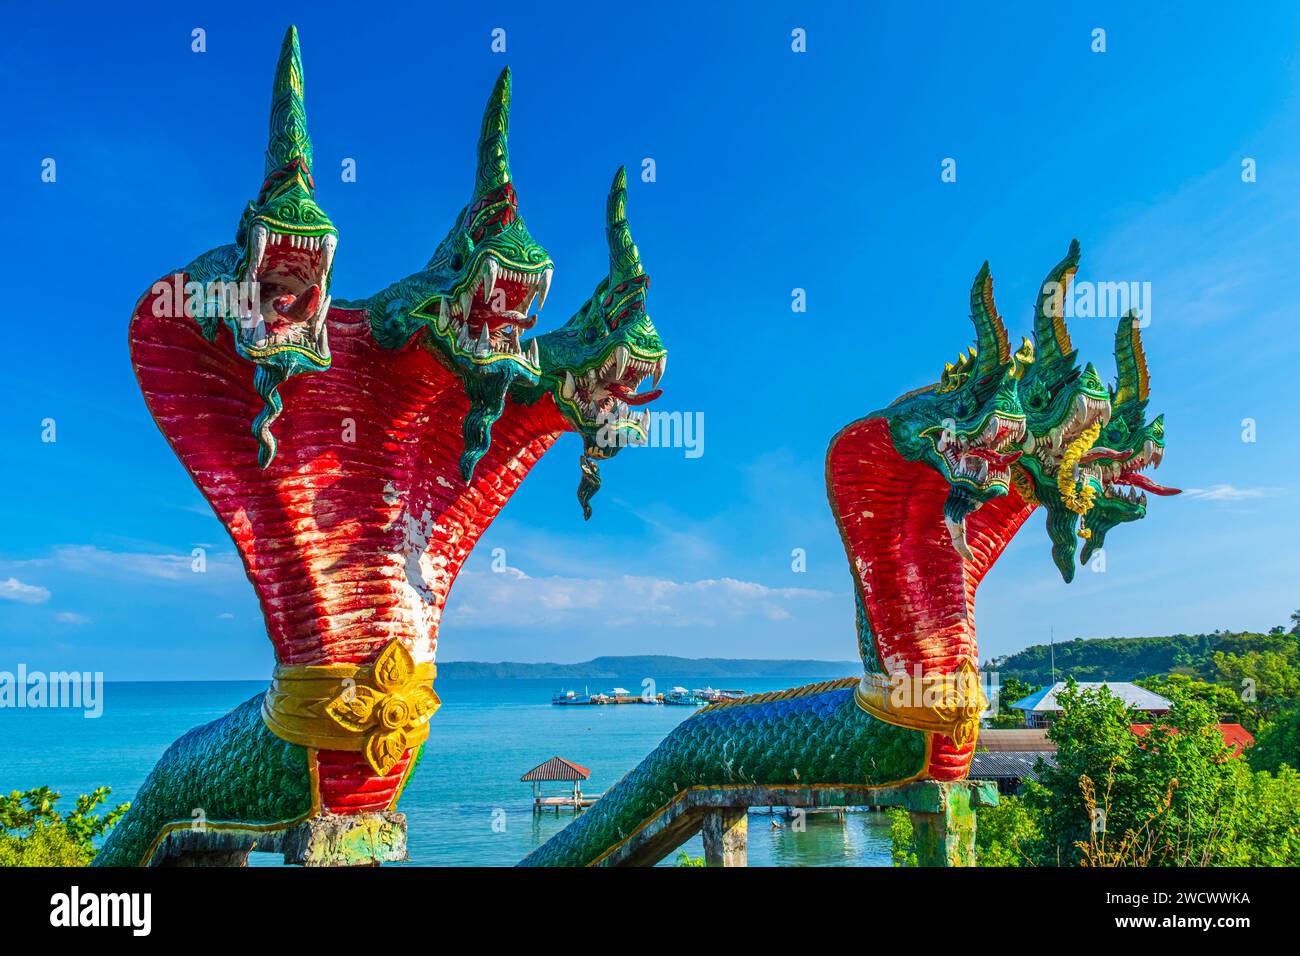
point(487, 734)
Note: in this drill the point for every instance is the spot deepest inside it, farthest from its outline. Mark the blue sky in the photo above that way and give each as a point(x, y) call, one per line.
point(775, 171)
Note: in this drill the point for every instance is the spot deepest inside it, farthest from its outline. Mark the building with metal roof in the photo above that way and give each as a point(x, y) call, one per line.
point(1015, 740)
point(1008, 768)
point(1039, 707)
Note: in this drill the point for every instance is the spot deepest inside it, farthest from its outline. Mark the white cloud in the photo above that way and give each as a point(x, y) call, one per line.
point(513, 599)
point(1228, 493)
point(71, 618)
point(12, 589)
point(87, 560)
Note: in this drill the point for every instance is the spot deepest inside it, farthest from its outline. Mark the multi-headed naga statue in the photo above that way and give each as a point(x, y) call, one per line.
point(927, 493)
point(356, 451)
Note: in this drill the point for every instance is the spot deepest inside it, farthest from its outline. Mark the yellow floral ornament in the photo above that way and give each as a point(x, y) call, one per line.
point(382, 710)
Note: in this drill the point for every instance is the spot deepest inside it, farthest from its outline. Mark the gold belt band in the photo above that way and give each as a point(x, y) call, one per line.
point(381, 710)
point(948, 704)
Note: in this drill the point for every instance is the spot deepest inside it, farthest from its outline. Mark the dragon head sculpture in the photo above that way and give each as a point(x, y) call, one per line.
point(282, 260)
point(472, 299)
point(1128, 445)
point(593, 365)
point(1065, 410)
point(968, 426)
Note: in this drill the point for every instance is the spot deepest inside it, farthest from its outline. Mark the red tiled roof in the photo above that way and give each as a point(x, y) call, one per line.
point(557, 768)
point(1234, 735)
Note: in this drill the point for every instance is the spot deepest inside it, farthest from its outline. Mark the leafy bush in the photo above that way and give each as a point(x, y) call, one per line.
point(34, 833)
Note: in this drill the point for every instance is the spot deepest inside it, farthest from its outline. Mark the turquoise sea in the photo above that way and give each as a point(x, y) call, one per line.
point(487, 734)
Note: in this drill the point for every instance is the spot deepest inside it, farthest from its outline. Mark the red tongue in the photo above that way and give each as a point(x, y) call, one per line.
point(497, 319)
point(299, 308)
point(621, 391)
point(996, 458)
point(1146, 484)
point(1102, 452)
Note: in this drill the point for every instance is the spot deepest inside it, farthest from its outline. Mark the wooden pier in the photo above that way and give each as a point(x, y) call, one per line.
point(557, 769)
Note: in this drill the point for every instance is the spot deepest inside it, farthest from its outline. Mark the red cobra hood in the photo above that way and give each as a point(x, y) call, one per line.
point(355, 532)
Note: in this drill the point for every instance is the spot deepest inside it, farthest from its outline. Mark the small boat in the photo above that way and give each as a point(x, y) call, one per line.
point(681, 697)
point(571, 697)
point(710, 696)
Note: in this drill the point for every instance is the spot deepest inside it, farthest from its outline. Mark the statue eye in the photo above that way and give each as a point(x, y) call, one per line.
point(457, 261)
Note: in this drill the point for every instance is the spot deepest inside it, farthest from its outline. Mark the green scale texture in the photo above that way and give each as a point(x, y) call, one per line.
point(233, 769)
point(822, 738)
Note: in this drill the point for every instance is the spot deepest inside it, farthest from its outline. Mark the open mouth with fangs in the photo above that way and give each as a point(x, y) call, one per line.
point(485, 322)
point(1049, 448)
point(984, 457)
point(606, 392)
point(1121, 475)
point(291, 272)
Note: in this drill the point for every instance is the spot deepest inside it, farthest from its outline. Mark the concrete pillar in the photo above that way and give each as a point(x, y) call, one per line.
point(726, 833)
point(943, 820)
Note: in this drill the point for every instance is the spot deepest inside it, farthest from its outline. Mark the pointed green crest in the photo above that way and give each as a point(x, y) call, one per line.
point(992, 348)
point(288, 139)
point(1134, 383)
point(1052, 347)
point(493, 157)
point(624, 260)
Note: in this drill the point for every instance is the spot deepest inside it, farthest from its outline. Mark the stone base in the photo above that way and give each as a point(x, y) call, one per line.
point(365, 839)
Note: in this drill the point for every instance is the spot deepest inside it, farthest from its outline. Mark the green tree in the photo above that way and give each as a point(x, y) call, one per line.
point(1010, 691)
point(1222, 699)
point(33, 832)
point(1278, 743)
point(1003, 833)
point(1115, 798)
point(1269, 678)
point(902, 848)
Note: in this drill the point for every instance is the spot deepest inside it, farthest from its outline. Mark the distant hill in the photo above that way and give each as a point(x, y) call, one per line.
point(652, 665)
point(1129, 658)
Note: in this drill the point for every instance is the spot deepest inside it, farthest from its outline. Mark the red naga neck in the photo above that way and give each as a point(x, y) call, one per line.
point(354, 534)
point(917, 591)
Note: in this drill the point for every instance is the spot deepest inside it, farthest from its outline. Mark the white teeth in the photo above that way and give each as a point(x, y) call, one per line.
point(533, 356)
point(490, 271)
point(260, 236)
point(621, 358)
point(329, 244)
point(569, 388)
point(484, 339)
point(443, 318)
point(659, 368)
point(543, 287)
point(466, 298)
point(957, 532)
point(323, 335)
